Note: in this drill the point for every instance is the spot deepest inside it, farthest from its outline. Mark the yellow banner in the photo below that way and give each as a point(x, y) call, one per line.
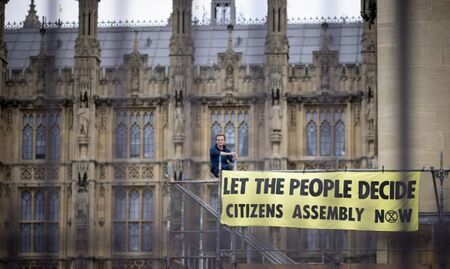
point(375, 201)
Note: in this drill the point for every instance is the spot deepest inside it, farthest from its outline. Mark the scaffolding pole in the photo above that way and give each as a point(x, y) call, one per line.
point(219, 212)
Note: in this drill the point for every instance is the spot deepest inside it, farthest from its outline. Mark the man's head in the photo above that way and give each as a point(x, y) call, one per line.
point(220, 140)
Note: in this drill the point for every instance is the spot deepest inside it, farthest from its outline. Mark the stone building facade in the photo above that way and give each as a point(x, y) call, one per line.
point(94, 121)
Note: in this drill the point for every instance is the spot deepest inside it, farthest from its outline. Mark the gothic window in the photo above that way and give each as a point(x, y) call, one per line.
point(41, 135)
point(235, 124)
point(230, 136)
point(215, 130)
point(39, 221)
point(40, 138)
point(325, 138)
point(339, 138)
point(329, 138)
point(243, 139)
point(148, 137)
point(311, 138)
point(27, 142)
point(54, 142)
point(135, 140)
point(140, 141)
point(132, 220)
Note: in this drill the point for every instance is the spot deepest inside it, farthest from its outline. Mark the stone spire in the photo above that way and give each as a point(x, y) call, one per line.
point(277, 49)
point(3, 49)
point(87, 44)
point(325, 36)
point(276, 40)
point(230, 38)
point(181, 19)
point(41, 63)
point(32, 20)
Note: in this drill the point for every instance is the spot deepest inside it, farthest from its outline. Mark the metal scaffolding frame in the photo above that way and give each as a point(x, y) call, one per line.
point(180, 232)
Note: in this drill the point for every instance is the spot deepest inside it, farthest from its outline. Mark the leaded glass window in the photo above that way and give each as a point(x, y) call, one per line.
point(234, 124)
point(42, 129)
point(39, 220)
point(134, 134)
point(329, 138)
point(133, 220)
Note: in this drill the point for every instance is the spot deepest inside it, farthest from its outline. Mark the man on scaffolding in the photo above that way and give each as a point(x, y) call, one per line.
point(220, 152)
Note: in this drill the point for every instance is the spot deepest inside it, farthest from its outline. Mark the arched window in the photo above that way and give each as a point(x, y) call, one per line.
point(39, 221)
point(311, 139)
point(134, 205)
point(40, 142)
point(325, 139)
point(121, 141)
point(148, 141)
point(119, 220)
point(230, 136)
point(26, 205)
point(339, 138)
point(215, 130)
point(53, 208)
point(243, 140)
point(135, 141)
point(147, 217)
point(27, 142)
point(39, 206)
point(54, 142)
point(52, 227)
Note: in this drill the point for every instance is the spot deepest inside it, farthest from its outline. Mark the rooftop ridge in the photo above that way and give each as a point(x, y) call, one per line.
point(195, 21)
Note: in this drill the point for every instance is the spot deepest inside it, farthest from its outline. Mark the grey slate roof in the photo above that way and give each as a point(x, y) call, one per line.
point(208, 42)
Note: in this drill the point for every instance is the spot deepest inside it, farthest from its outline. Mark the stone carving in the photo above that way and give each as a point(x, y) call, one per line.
point(84, 101)
point(276, 116)
point(134, 78)
point(179, 121)
point(82, 202)
point(25, 174)
point(229, 78)
point(275, 82)
point(83, 123)
point(82, 205)
point(41, 79)
point(147, 172)
point(324, 73)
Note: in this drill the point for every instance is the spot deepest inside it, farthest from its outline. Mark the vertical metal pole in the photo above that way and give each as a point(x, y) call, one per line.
point(169, 216)
point(183, 239)
point(233, 249)
point(441, 196)
point(200, 243)
point(219, 209)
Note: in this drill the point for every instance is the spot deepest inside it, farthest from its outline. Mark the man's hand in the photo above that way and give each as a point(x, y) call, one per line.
point(235, 155)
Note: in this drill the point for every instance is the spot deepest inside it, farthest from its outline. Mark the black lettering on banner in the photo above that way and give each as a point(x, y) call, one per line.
point(405, 215)
point(254, 210)
point(294, 184)
point(232, 186)
point(297, 212)
point(387, 190)
point(312, 190)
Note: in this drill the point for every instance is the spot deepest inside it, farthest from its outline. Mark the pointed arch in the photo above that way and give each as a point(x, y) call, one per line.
point(27, 142)
point(215, 130)
point(311, 138)
point(339, 138)
point(135, 141)
point(243, 140)
point(325, 138)
point(121, 140)
point(40, 141)
point(230, 135)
